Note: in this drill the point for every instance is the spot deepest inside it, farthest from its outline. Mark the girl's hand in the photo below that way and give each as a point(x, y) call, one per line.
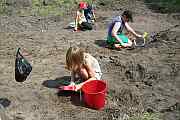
point(139, 35)
point(78, 87)
point(75, 29)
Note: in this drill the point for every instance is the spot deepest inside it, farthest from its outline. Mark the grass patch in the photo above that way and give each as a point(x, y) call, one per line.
point(39, 7)
point(146, 116)
point(3, 7)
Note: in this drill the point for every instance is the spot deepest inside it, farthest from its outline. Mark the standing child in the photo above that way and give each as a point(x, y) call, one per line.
point(83, 66)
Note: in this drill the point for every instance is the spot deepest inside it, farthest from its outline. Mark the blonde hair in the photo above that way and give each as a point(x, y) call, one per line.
point(74, 57)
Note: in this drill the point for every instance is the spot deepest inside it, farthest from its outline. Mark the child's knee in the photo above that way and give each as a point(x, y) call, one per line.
point(84, 73)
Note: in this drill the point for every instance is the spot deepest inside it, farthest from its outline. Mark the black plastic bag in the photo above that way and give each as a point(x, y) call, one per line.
point(85, 26)
point(22, 67)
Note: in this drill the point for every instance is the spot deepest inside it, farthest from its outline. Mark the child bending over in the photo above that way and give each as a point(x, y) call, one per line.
point(83, 66)
point(81, 19)
point(116, 38)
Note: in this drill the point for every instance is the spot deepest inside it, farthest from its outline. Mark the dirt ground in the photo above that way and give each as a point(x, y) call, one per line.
point(142, 79)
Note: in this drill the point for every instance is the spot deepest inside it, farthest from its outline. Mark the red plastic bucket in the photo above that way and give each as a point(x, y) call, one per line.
point(94, 93)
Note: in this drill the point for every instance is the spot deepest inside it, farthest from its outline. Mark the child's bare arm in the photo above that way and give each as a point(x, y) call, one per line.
point(91, 74)
point(115, 30)
point(72, 76)
point(94, 17)
point(76, 21)
point(131, 30)
point(90, 70)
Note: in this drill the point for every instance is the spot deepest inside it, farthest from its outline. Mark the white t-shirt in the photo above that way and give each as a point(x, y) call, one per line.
point(92, 61)
point(81, 17)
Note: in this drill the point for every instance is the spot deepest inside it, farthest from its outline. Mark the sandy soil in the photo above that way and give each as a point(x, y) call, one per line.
point(139, 80)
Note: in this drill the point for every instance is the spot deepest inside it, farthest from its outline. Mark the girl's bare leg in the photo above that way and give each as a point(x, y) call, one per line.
point(129, 44)
point(117, 46)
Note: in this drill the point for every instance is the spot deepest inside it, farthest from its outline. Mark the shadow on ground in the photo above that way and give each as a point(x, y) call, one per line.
point(101, 43)
point(75, 97)
point(65, 80)
point(4, 102)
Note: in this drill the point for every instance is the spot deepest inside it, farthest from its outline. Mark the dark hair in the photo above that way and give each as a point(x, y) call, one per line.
point(128, 14)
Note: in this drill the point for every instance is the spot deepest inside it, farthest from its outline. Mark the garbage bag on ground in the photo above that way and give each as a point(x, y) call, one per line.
point(22, 67)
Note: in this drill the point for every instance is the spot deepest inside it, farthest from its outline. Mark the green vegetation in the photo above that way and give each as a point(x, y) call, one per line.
point(164, 6)
point(62, 7)
point(38, 7)
point(3, 7)
point(46, 8)
point(146, 116)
